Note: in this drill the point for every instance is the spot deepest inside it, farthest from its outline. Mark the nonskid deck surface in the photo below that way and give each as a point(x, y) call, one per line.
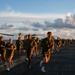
point(61, 63)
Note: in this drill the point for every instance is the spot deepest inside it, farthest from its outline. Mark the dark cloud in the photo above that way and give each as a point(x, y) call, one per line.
point(48, 23)
point(5, 26)
point(57, 24)
point(23, 28)
point(58, 21)
point(37, 25)
point(73, 17)
point(35, 29)
point(10, 26)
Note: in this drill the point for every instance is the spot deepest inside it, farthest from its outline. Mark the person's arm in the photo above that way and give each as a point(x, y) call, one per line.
point(52, 45)
point(14, 47)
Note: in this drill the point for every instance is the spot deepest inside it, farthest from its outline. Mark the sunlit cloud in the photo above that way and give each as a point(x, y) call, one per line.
point(59, 24)
point(29, 15)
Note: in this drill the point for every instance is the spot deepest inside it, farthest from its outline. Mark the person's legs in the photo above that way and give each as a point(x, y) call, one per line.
point(45, 61)
point(29, 60)
point(9, 62)
point(4, 56)
point(28, 56)
point(47, 57)
point(19, 53)
point(1, 56)
point(42, 63)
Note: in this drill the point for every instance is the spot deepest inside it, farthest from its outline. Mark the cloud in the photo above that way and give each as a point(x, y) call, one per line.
point(5, 26)
point(10, 13)
point(60, 24)
point(39, 23)
point(57, 24)
point(35, 29)
point(23, 28)
point(70, 19)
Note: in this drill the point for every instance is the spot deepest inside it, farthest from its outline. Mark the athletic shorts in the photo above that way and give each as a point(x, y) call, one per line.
point(46, 53)
point(9, 53)
point(2, 52)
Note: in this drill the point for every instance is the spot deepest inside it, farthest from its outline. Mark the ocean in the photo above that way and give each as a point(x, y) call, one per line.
point(14, 41)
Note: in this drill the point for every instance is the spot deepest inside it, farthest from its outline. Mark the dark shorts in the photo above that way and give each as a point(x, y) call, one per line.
point(19, 48)
point(9, 53)
point(46, 53)
point(2, 52)
point(29, 52)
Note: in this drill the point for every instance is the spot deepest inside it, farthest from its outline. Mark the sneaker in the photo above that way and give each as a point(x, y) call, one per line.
point(1, 62)
point(8, 69)
point(43, 69)
point(29, 67)
point(52, 51)
point(57, 49)
point(41, 63)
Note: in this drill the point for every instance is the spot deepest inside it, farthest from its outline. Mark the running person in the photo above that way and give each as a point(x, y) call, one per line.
point(25, 46)
point(35, 46)
point(30, 49)
point(2, 49)
point(58, 43)
point(10, 48)
point(47, 45)
point(19, 44)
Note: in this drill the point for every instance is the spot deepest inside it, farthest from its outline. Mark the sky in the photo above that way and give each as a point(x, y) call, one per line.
point(38, 17)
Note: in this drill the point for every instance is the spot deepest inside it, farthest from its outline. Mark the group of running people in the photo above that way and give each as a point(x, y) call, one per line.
point(31, 46)
point(28, 45)
point(7, 51)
